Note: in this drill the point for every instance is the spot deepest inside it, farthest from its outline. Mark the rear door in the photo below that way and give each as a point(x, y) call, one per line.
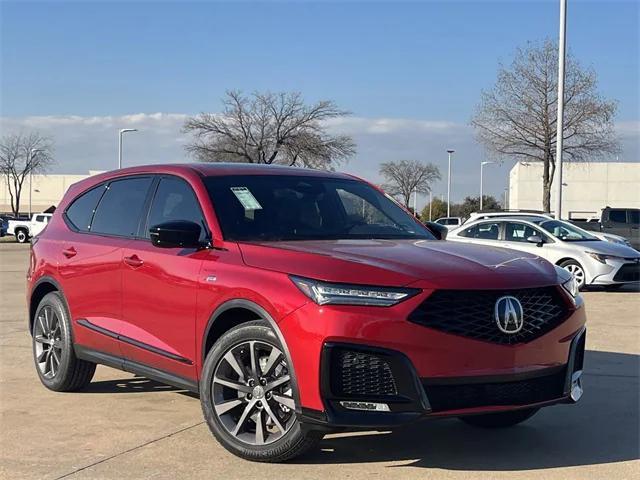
point(101, 222)
point(160, 286)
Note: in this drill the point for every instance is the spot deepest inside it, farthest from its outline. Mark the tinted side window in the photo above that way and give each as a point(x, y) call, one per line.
point(519, 232)
point(618, 216)
point(634, 217)
point(175, 200)
point(121, 206)
point(484, 231)
point(81, 210)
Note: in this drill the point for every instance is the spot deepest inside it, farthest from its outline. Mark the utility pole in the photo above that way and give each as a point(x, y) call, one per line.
point(449, 184)
point(560, 121)
point(120, 132)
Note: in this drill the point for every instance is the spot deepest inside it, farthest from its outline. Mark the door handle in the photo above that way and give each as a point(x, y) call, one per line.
point(133, 261)
point(69, 252)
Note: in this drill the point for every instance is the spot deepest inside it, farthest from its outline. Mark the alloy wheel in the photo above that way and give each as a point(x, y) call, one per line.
point(577, 272)
point(252, 393)
point(47, 334)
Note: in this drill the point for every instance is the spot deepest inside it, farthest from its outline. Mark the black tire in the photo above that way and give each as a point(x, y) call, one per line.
point(56, 363)
point(500, 419)
point(22, 236)
point(287, 444)
point(575, 268)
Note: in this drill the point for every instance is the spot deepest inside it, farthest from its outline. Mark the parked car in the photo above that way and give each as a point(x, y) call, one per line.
point(449, 222)
point(617, 221)
point(4, 225)
point(23, 230)
point(609, 237)
point(590, 260)
point(295, 302)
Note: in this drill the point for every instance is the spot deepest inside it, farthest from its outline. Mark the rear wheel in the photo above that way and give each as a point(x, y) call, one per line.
point(56, 363)
point(22, 236)
point(575, 269)
point(500, 419)
point(247, 396)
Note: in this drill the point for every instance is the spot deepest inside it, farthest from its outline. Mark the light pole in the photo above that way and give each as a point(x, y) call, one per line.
point(430, 203)
point(449, 184)
point(560, 121)
point(32, 153)
point(482, 164)
point(122, 130)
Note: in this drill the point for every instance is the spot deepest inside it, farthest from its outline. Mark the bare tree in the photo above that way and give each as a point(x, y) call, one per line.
point(20, 156)
point(269, 128)
point(517, 118)
point(407, 176)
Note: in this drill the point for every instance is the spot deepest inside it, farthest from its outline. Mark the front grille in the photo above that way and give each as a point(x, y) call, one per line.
point(524, 392)
point(470, 313)
point(360, 374)
point(629, 272)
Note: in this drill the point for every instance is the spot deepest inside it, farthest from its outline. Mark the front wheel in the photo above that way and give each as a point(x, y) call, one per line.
point(575, 269)
point(500, 419)
point(247, 396)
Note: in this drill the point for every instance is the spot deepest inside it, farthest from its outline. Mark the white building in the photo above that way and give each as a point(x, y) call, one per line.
point(589, 187)
point(46, 190)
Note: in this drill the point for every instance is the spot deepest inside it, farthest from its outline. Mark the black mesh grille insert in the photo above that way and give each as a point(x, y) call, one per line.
point(470, 313)
point(524, 392)
point(360, 374)
point(629, 272)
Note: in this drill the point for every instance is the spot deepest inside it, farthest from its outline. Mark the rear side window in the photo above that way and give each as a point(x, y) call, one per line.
point(80, 212)
point(175, 200)
point(121, 206)
point(618, 216)
point(634, 217)
point(483, 231)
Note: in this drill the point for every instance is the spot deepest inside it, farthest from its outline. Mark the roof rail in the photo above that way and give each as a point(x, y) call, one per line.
point(507, 210)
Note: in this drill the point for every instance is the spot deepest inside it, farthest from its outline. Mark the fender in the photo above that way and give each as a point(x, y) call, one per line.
point(36, 284)
point(258, 310)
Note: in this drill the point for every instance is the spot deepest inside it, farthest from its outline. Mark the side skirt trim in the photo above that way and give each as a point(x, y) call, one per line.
point(123, 338)
point(120, 363)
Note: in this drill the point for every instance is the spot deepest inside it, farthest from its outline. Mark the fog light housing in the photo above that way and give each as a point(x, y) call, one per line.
point(367, 406)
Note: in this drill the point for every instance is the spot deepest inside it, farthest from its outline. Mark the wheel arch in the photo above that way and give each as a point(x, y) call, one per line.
point(236, 312)
point(41, 288)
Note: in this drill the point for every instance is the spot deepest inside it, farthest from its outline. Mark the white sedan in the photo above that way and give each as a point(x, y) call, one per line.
point(590, 260)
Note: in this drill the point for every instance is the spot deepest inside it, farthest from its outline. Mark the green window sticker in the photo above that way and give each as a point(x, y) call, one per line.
point(246, 198)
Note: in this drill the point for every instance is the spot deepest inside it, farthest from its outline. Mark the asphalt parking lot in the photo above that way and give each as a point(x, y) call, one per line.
point(129, 427)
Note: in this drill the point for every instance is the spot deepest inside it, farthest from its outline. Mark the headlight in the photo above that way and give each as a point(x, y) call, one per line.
point(602, 258)
point(568, 282)
point(341, 294)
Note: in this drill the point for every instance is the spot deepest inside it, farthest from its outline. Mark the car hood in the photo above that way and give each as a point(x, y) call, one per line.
point(606, 248)
point(437, 264)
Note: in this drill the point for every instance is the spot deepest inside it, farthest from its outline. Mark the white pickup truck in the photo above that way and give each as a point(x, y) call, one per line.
point(23, 230)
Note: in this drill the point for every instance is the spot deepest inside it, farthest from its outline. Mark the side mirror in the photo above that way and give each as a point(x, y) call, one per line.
point(177, 234)
point(536, 239)
point(439, 231)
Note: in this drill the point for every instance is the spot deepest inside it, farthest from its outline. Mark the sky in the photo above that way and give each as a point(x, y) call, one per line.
point(411, 73)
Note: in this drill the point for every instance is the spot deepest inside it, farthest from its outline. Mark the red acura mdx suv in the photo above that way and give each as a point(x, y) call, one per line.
point(295, 302)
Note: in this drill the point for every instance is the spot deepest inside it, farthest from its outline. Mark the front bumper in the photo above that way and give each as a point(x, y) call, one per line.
point(616, 272)
point(415, 398)
point(433, 371)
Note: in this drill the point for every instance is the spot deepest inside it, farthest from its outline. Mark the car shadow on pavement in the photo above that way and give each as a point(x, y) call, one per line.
point(128, 385)
point(602, 428)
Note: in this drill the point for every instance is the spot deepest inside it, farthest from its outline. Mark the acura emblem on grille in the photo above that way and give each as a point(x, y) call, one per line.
point(509, 315)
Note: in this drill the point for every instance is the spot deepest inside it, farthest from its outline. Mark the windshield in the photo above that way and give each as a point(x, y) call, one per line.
point(281, 207)
point(566, 231)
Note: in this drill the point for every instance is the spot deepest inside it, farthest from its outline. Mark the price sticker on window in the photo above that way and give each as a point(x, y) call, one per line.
point(246, 198)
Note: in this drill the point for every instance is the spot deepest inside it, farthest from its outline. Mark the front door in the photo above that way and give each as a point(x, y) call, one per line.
point(160, 287)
